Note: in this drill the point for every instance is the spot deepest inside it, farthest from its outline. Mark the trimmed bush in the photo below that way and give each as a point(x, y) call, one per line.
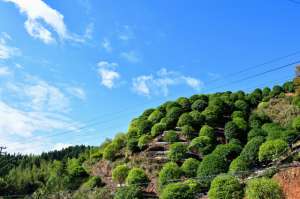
point(177, 191)
point(276, 90)
point(144, 127)
point(156, 116)
point(240, 114)
point(238, 165)
point(120, 173)
point(207, 131)
point(185, 119)
point(251, 149)
point(202, 145)
point(211, 165)
point(129, 192)
point(132, 145)
point(271, 150)
point(143, 141)
point(184, 103)
point(92, 182)
point(228, 151)
point(199, 105)
point(212, 114)
point(256, 132)
point(263, 188)
point(296, 123)
point(224, 187)
point(177, 152)
point(266, 91)
point(188, 132)
point(190, 166)
point(110, 152)
point(137, 176)
point(198, 119)
point(232, 131)
point(241, 105)
point(158, 129)
point(170, 171)
point(171, 136)
point(241, 123)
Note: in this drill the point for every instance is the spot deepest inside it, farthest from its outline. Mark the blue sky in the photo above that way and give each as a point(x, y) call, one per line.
point(77, 71)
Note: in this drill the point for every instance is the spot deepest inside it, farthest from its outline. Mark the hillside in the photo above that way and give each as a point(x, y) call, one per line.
point(221, 145)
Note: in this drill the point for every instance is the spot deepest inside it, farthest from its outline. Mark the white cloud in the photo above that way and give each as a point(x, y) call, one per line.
point(4, 71)
point(7, 51)
point(108, 74)
point(77, 92)
point(126, 33)
point(160, 83)
point(131, 56)
point(40, 16)
point(106, 45)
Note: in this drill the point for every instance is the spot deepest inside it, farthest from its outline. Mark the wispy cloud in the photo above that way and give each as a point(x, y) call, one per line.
point(161, 82)
point(106, 45)
point(126, 33)
point(77, 92)
point(131, 56)
point(7, 51)
point(108, 74)
point(4, 71)
point(40, 16)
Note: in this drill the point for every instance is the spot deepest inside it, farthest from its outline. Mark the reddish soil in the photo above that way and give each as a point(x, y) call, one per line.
point(289, 180)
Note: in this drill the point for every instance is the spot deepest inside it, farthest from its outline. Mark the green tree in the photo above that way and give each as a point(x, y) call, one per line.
point(199, 105)
point(158, 129)
point(188, 132)
point(198, 119)
point(110, 152)
point(241, 105)
point(263, 188)
point(177, 191)
point(190, 166)
point(143, 141)
point(137, 176)
point(238, 165)
point(120, 173)
point(185, 119)
point(232, 131)
point(129, 192)
point(170, 171)
point(177, 152)
point(256, 132)
point(251, 149)
point(225, 187)
point(156, 116)
point(171, 136)
point(296, 123)
point(202, 145)
point(207, 131)
point(272, 149)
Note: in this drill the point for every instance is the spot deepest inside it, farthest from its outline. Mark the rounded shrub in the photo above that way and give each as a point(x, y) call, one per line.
point(170, 105)
point(137, 176)
point(276, 90)
point(171, 136)
point(188, 132)
point(232, 131)
point(251, 149)
point(241, 105)
point(238, 165)
point(240, 114)
point(212, 114)
point(144, 127)
point(132, 145)
point(143, 141)
point(110, 152)
point(263, 188)
point(185, 119)
point(190, 166)
point(241, 123)
point(207, 131)
point(271, 150)
point(296, 123)
point(156, 116)
point(224, 187)
point(177, 152)
point(92, 182)
point(158, 129)
point(169, 172)
point(129, 192)
point(184, 103)
point(202, 145)
point(198, 119)
point(177, 191)
point(120, 173)
point(256, 132)
point(228, 151)
point(210, 166)
point(199, 105)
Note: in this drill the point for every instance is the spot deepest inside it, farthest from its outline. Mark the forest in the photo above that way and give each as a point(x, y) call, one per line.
point(205, 145)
